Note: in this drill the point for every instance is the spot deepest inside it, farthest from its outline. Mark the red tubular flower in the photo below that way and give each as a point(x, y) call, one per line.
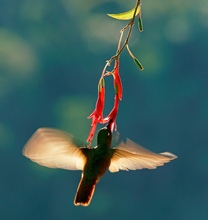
point(97, 114)
point(91, 134)
point(117, 80)
point(112, 115)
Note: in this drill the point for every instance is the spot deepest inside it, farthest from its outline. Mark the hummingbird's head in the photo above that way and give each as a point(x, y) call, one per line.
point(104, 137)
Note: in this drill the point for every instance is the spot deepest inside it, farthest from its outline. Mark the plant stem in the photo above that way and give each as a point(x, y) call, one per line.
point(130, 25)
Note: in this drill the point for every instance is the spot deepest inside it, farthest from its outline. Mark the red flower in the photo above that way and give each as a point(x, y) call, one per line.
point(97, 114)
point(111, 118)
point(117, 80)
point(112, 115)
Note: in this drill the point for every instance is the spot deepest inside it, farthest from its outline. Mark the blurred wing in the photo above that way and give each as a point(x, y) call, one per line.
point(55, 149)
point(131, 156)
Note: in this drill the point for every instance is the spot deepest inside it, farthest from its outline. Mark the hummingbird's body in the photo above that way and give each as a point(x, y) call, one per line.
point(57, 149)
point(98, 161)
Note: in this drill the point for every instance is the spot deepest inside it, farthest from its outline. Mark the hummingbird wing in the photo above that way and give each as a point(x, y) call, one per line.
point(56, 149)
point(131, 156)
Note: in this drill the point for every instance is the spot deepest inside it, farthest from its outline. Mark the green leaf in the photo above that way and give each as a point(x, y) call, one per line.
point(125, 15)
point(138, 64)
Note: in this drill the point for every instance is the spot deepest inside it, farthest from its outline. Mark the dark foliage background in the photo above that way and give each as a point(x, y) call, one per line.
point(51, 57)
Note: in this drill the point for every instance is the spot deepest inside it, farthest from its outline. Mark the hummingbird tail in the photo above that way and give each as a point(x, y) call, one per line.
point(85, 191)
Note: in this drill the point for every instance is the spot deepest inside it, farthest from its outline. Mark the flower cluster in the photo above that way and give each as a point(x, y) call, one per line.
point(97, 114)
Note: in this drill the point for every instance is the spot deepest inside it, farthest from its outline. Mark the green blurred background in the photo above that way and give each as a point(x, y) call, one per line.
point(51, 57)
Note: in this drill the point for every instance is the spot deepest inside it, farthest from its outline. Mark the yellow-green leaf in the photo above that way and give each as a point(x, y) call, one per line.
point(125, 15)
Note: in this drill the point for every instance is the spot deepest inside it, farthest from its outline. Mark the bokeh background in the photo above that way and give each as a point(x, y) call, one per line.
point(51, 57)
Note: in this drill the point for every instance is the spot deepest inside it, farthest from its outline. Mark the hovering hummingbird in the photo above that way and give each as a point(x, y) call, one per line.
point(57, 149)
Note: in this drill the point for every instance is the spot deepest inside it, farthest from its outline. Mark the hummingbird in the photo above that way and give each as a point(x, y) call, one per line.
point(55, 148)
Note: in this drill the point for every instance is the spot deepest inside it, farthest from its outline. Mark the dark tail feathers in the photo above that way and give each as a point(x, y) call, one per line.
point(85, 191)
